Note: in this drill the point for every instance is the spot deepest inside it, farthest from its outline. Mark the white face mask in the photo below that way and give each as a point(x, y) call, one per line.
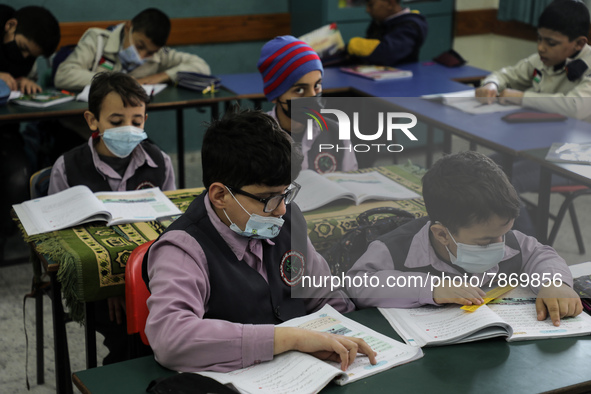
point(130, 57)
point(258, 227)
point(477, 259)
point(121, 141)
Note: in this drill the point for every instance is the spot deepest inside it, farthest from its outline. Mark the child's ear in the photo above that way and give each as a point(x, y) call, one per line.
point(218, 195)
point(91, 120)
point(440, 233)
point(581, 42)
point(10, 26)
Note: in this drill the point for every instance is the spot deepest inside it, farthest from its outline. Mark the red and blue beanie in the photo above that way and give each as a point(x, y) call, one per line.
point(284, 60)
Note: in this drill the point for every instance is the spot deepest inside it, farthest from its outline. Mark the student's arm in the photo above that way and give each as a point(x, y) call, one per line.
point(184, 341)
point(58, 180)
point(517, 77)
point(576, 103)
point(10, 81)
point(174, 61)
point(541, 261)
point(179, 335)
point(169, 177)
point(376, 268)
point(75, 72)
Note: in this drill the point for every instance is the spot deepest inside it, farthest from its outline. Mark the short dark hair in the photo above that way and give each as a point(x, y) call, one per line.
point(127, 87)
point(154, 24)
point(40, 26)
point(248, 148)
point(466, 188)
point(569, 17)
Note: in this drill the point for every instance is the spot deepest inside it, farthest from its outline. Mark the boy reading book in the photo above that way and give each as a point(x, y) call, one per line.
point(117, 157)
point(471, 208)
point(556, 79)
point(222, 275)
point(291, 69)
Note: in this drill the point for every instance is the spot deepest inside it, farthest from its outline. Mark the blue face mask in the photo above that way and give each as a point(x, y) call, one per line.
point(130, 57)
point(121, 141)
point(477, 259)
point(258, 227)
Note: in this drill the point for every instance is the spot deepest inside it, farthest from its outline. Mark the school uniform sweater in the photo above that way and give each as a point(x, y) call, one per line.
point(98, 50)
point(406, 256)
point(195, 318)
point(550, 89)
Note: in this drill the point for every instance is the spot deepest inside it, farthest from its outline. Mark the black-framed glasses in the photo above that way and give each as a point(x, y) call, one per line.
point(271, 203)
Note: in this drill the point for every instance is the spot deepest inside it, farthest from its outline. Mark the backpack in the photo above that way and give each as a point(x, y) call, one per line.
point(372, 224)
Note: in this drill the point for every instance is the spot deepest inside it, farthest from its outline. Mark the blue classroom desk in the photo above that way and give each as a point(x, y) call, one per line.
point(428, 78)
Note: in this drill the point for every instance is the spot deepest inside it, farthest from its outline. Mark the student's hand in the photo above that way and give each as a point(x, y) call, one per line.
point(322, 345)
point(511, 96)
point(10, 81)
point(487, 94)
point(447, 293)
point(154, 79)
point(26, 86)
point(558, 302)
point(116, 308)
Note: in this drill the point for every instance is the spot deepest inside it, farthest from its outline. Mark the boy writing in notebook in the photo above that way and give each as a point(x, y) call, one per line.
point(556, 79)
point(222, 275)
point(291, 69)
point(136, 47)
point(117, 157)
point(471, 207)
point(394, 36)
point(30, 32)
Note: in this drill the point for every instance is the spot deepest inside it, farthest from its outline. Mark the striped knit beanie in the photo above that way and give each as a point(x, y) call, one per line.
point(284, 60)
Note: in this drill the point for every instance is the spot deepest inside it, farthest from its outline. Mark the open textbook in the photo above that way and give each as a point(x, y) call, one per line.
point(78, 205)
point(570, 152)
point(320, 189)
point(294, 372)
point(465, 101)
point(512, 316)
point(43, 99)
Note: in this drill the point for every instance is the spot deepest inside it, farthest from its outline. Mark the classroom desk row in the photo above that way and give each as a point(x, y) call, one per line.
point(89, 259)
point(171, 98)
point(490, 366)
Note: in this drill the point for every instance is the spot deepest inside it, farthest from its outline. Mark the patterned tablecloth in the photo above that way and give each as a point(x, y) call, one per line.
point(92, 257)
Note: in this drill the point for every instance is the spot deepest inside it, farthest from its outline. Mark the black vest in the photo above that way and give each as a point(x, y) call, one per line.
point(398, 243)
point(80, 170)
point(417, 21)
point(238, 293)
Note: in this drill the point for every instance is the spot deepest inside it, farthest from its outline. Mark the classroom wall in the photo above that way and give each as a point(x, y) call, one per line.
point(489, 51)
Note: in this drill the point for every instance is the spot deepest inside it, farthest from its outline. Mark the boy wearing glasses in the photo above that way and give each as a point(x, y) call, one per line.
point(222, 275)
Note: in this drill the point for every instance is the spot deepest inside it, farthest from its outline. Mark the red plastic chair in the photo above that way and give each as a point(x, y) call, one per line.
point(569, 193)
point(136, 293)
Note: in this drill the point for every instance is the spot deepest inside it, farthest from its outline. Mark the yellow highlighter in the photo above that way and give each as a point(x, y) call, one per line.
point(490, 295)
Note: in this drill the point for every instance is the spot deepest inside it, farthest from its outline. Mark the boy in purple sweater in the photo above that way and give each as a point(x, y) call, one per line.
point(222, 274)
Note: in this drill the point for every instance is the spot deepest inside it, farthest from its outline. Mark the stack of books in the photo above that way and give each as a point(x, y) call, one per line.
point(200, 82)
